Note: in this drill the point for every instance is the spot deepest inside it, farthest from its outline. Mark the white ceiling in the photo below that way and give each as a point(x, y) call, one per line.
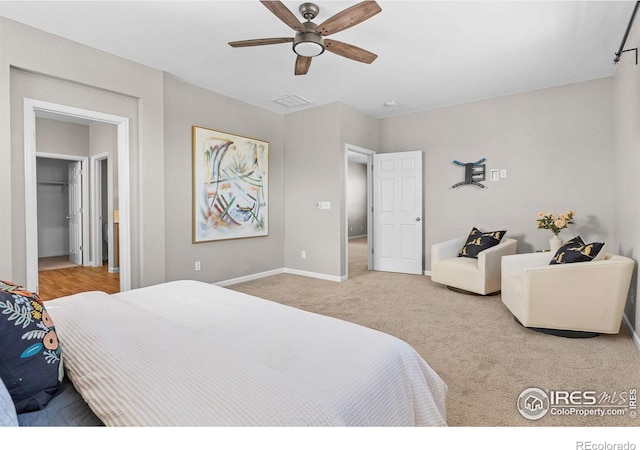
point(430, 53)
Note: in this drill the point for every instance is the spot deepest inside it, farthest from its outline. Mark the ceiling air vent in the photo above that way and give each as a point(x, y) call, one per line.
point(291, 101)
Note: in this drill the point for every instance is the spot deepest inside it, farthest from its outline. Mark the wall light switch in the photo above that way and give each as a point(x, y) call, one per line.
point(324, 205)
point(494, 175)
point(503, 173)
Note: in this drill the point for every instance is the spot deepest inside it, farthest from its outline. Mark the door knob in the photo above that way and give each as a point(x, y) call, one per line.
point(417, 219)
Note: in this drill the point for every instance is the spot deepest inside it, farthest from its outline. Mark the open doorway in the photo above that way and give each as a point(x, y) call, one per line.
point(104, 239)
point(37, 108)
point(358, 210)
point(75, 200)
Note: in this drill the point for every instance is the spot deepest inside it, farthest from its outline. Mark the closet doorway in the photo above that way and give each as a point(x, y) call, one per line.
point(61, 201)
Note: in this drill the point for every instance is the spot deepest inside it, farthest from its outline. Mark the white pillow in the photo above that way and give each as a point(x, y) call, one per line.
point(8, 417)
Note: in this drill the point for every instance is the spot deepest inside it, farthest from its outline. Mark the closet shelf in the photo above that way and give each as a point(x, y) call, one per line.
point(59, 183)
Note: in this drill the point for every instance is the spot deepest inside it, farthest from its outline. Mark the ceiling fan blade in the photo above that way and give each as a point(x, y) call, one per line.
point(349, 17)
point(265, 41)
point(349, 51)
point(302, 65)
point(283, 13)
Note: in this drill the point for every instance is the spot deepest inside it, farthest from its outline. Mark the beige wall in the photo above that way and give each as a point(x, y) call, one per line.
point(556, 145)
point(626, 139)
point(315, 171)
point(185, 106)
point(312, 163)
point(45, 67)
point(54, 136)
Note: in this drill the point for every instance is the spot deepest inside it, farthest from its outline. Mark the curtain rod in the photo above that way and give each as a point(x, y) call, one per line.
point(626, 33)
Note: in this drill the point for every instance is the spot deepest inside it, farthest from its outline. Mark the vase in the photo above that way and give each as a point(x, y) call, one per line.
point(555, 243)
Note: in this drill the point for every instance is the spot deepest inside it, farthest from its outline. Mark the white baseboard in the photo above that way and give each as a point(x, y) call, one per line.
point(427, 273)
point(634, 335)
point(269, 273)
point(321, 276)
point(114, 269)
point(254, 276)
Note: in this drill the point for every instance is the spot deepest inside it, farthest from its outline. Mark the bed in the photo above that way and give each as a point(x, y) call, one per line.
point(188, 353)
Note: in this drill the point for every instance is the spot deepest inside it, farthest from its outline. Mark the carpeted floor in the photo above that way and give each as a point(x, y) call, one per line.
point(472, 342)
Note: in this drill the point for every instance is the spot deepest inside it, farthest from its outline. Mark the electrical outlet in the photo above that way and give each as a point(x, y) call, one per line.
point(197, 265)
point(503, 173)
point(303, 254)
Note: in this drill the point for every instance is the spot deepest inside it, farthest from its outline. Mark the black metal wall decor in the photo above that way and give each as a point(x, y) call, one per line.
point(626, 35)
point(473, 173)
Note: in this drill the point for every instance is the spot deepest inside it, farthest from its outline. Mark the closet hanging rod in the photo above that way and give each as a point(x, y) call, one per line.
point(626, 34)
point(62, 183)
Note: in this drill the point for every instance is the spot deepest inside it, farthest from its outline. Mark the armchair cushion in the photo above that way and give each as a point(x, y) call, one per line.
point(576, 250)
point(478, 241)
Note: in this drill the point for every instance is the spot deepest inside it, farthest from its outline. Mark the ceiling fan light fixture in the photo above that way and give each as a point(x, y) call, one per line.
point(308, 44)
point(309, 38)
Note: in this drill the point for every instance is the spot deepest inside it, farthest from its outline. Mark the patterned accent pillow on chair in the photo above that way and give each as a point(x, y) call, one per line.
point(478, 241)
point(31, 359)
point(576, 250)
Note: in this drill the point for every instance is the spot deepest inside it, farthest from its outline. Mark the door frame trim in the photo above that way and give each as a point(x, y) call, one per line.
point(96, 208)
point(31, 107)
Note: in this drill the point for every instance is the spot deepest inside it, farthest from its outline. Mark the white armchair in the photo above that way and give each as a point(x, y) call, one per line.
point(479, 276)
point(566, 299)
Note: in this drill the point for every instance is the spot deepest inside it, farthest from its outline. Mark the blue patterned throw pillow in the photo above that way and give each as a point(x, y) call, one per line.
point(30, 356)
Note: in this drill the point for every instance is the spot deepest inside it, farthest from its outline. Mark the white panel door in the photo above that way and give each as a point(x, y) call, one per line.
point(397, 212)
point(75, 212)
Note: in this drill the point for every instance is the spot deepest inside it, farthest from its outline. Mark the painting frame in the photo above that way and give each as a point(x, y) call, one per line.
point(230, 189)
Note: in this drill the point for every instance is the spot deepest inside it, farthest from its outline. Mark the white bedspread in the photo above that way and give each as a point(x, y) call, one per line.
point(189, 353)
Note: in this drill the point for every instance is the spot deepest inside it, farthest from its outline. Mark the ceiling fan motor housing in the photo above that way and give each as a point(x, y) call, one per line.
point(309, 10)
point(308, 42)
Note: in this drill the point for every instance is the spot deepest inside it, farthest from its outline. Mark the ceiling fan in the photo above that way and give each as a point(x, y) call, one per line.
point(309, 39)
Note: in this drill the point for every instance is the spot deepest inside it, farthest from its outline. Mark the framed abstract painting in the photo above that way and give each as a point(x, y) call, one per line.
point(230, 186)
